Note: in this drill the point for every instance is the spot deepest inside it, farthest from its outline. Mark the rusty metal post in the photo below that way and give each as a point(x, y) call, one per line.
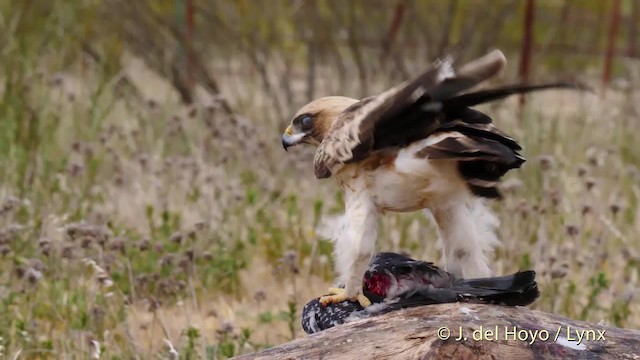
point(611, 41)
point(398, 16)
point(633, 29)
point(527, 44)
point(188, 40)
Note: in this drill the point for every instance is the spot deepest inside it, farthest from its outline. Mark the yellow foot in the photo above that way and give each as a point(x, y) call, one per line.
point(337, 295)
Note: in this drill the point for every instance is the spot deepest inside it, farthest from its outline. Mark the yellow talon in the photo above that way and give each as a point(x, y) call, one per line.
point(337, 295)
point(364, 301)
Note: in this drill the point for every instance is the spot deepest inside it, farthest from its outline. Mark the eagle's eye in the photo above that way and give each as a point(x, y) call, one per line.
point(306, 122)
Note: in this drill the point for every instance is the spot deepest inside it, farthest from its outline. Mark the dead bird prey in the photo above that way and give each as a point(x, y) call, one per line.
point(394, 281)
point(417, 146)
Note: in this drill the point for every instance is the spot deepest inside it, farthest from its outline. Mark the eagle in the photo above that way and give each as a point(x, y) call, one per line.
point(393, 281)
point(419, 146)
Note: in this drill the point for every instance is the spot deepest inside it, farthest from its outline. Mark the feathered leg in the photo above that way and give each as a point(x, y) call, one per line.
point(467, 229)
point(355, 244)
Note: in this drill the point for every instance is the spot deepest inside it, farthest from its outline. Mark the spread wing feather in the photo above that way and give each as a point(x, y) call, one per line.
point(352, 136)
point(414, 110)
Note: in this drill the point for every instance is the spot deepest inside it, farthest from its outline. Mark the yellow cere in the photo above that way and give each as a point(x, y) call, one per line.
point(289, 131)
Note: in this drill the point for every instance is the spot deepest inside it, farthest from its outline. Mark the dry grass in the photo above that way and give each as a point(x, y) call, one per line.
point(135, 227)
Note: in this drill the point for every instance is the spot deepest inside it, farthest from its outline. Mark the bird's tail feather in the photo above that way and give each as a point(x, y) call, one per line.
point(511, 282)
point(485, 96)
point(519, 289)
point(516, 289)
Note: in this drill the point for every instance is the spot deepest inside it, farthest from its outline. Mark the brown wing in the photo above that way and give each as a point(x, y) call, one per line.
point(417, 109)
point(351, 137)
point(483, 155)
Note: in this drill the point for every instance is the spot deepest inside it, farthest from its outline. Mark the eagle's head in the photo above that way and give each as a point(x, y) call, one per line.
point(313, 121)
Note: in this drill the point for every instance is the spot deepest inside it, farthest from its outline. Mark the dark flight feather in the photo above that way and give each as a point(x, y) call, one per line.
point(434, 102)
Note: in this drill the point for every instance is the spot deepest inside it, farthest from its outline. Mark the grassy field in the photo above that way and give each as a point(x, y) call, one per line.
point(133, 227)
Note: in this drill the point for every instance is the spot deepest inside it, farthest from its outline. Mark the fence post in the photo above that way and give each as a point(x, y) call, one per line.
point(398, 16)
point(527, 44)
point(633, 28)
point(611, 41)
point(189, 30)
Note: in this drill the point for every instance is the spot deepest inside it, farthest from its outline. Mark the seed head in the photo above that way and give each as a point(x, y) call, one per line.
point(290, 260)
point(56, 80)
point(74, 169)
point(20, 271)
point(167, 260)
point(159, 248)
point(9, 204)
point(77, 230)
point(44, 242)
point(225, 328)
point(560, 271)
point(143, 245)
point(582, 170)
point(593, 157)
point(615, 208)
point(185, 263)
point(67, 252)
point(199, 226)
point(85, 242)
point(33, 275)
point(176, 237)
point(556, 197)
point(118, 245)
point(151, 104)
point(260, 296)
point(546, 162)
point(154, 304)
point(572, 230)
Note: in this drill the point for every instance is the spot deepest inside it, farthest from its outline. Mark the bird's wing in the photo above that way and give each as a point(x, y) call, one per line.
point(433, 102)
point(484, 154)
point(351, 137)
point(397, 264)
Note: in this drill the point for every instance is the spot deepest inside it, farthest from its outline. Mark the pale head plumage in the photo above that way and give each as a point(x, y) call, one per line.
point(322, 114)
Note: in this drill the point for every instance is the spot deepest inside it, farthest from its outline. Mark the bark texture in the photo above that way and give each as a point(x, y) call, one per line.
point(488, 332)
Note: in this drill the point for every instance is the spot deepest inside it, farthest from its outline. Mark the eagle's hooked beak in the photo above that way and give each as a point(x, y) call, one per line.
point(290, 139)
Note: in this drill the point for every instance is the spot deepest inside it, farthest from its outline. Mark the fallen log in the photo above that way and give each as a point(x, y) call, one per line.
point(462, 331)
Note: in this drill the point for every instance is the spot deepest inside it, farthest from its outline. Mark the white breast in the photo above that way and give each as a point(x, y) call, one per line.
point(414, 183)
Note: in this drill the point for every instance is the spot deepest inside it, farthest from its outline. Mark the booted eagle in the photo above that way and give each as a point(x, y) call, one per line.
point(393, 282)
point(417, 146)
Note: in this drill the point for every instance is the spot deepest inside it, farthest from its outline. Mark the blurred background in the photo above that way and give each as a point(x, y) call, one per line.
point(147, 207)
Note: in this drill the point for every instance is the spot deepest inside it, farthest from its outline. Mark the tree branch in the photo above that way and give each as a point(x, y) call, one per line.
point(498, 330)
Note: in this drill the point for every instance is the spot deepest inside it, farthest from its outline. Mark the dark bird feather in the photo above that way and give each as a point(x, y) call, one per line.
point(435, 102)
point(422, 283)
